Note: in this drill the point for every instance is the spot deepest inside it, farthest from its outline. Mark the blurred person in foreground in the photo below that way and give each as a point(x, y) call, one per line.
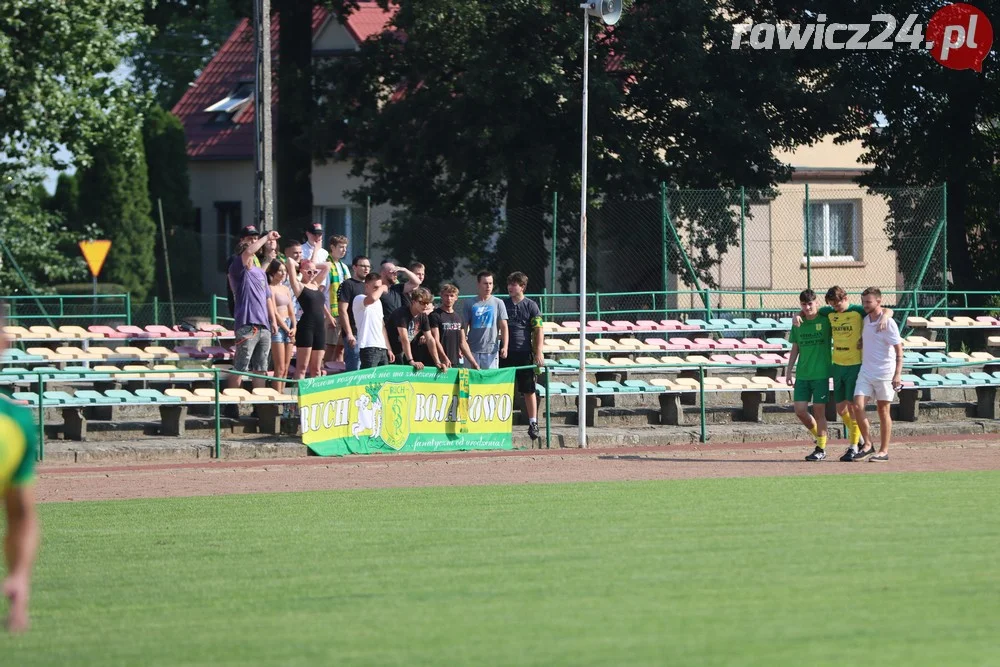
point(18, 443)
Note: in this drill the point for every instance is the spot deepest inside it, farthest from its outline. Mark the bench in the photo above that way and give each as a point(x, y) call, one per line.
point(173, 405)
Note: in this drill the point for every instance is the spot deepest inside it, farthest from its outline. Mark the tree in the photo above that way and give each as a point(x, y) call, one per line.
point(183, 35)
point(938, 127)
point(167, 168)
point(37, 240)
point(66, 201)
point(477, 116)
point(116, 198)
point(56, 65)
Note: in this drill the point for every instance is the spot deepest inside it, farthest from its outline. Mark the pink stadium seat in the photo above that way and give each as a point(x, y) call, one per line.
point(136, 332)
point(727, 344)
point(760, 344)
point(678, 325)
point(192, 351)
point(991, 321)
point(747, 358)
point(771, 358)
point(218, 352)
point(598, 325)
point(106, 331)
point(650, 325)
point(163, 331)
point(721, 358)
point(622, 325)
point(573, 324)
point(195, 334)
point(705, 344)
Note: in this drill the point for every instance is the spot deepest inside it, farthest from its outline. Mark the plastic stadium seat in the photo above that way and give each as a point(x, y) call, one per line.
point(73, 332)
point(188, 397)
point(701, 325)
point(966, 321)
point(622, 361)
point(959, 357)
point(106, 331)
point(614, 386)
point(213, 329)
point(156, 396)
point(983, 357)
point(677, 325)
point(693, 359)
point(747, 359)
point(95, 397)
point(598, 325)
point(779, 343)
point(670, 385)
point(984, 378)
point(268, 393)
point(917, 322)
point(78, 353)
point(768, 323)
point(721, 359)
point(941, 380)
point(993, 341)
point(29, 397)
point(672, 361)
point(56, 398)
point(937, 322)
point(600, 361)
point(960, 378)
point(16, 332)
point(745, 384)
point(988, 321)
point(48, 355)
point(193, 334)
point(647, 361)
point(642, 385)
point(559, 388)
point(133, 331)
point(728, 344)
point(14, 355)
point(648, 325)
point(605, 344)
point(42, 331)
point(163, 331)
point(624, 325)
point(163, 353)
point(705, 344)
point(135, 353)
point(747, 324)
point(237, 394)
point(590, 388)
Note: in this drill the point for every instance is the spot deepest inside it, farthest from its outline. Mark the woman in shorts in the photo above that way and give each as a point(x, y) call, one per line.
point(310, 336)
point(282, 322)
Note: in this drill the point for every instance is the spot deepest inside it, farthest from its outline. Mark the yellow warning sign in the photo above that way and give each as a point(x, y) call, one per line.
point(95, 252)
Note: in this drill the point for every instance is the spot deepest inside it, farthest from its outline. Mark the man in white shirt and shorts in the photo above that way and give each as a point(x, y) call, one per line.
point(879, 377)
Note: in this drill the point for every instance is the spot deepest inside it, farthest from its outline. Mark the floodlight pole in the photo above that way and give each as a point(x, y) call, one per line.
point(263, 215)
point(582, 397)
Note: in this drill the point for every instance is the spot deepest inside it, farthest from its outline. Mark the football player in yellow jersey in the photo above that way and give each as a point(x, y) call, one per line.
point(846, 324)
point(17, 471)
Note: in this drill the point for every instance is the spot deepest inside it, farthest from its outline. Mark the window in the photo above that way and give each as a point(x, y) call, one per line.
point(229, 222)
point(832, 230)
point(344, 220)
point(226, 109)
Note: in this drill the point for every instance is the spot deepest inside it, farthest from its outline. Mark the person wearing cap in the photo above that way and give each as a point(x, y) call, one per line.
point(248, 234)
point(313, 249)
point(253, 334)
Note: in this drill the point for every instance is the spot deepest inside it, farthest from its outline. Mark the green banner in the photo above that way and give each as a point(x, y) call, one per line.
point(398, 409)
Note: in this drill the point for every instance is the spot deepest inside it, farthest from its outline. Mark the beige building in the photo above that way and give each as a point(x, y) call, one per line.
point(844, 223)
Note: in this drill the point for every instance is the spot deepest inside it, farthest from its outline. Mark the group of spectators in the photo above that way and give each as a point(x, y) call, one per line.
point(308, 302)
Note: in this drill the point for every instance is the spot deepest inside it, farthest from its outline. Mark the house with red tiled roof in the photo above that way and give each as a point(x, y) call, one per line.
point(217, 112)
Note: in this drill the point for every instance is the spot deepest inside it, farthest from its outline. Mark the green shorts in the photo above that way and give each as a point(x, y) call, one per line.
point(844, 379)
point(811, 391)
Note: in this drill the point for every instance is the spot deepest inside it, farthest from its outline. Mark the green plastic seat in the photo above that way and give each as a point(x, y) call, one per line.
point(614, 386)
point(981, 378)
point(57, 398)
point(29, 396)
point(642, 385)
point(96, 397)
point(157, 396)
point(127, 396)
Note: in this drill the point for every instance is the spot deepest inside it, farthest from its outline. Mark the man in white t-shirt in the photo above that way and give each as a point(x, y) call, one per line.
point(371, 333)
point(881, 369)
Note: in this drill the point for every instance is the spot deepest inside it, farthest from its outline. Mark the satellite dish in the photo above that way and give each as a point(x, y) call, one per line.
point(608, 11)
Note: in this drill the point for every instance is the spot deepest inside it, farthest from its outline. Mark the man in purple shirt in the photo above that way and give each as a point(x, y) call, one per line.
point(249, 284)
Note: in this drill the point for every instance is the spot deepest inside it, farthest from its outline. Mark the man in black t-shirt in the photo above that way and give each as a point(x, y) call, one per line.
point(398, 293)
point(349, 289)
point(524, 324)
point(449, 335)
point(409, 324)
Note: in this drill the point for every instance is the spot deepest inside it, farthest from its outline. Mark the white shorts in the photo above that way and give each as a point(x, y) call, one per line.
point(880, 390)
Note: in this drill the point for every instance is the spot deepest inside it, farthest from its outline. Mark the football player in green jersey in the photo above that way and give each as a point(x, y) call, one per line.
point(17, 471)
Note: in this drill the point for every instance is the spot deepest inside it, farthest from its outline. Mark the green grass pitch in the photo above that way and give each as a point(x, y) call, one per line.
point(865, 569)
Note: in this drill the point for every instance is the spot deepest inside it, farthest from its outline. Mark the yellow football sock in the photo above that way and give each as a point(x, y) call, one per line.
point(848, 421)
point(812, 429)
point(854, 435)
point(821, 441)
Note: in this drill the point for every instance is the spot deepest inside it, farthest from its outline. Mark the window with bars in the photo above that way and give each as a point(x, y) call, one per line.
point(349, 221)
point(832, 230)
